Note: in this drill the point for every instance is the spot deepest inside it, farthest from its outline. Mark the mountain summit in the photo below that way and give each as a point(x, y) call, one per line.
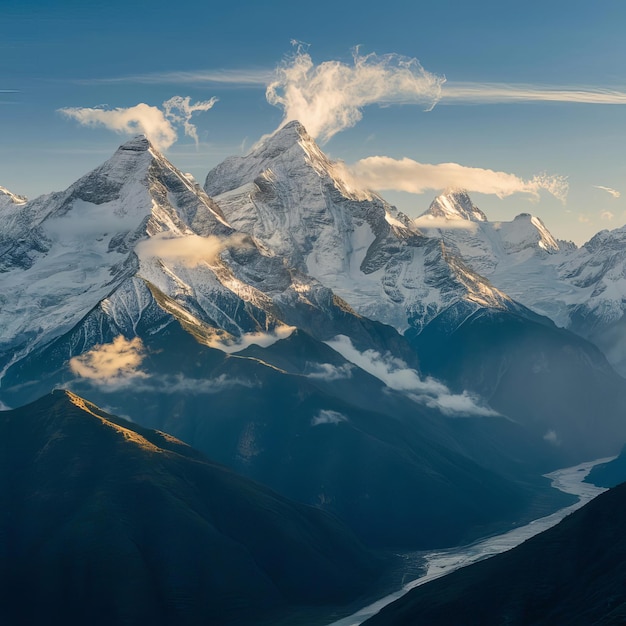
point(455, 205)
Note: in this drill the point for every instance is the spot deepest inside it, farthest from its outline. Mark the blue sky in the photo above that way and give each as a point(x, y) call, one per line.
point(509, 55)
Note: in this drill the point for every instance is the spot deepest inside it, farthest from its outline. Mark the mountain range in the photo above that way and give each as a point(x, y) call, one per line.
point(413, 379)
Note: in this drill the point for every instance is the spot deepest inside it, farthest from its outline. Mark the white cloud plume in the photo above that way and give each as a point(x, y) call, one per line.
point(398, 376)
point(607, 215)
point(385, 173)
point(609, 190)
point(142, 118)
point(329, 372)
point(159, 126)
point(111, 364)
point(497, 93)
point(188, 250)
point(326, 416)
point(179, 111)
point(329, 97)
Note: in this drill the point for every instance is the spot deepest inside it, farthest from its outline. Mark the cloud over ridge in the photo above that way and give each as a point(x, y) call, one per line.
point(158, 125)
point(398, 376)
point(382, 173)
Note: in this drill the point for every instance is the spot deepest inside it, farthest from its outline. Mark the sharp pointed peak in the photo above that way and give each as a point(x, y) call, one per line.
point(284, 137)
point(139, 143)
point(293, 128)
point(455, 204)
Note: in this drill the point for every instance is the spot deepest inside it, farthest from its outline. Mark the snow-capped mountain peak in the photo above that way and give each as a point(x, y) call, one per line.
point(526, 231)
point(455, 204)
point(63, 253)
point(288, 194)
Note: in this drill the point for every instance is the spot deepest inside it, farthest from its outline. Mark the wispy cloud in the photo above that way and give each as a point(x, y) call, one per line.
point(397, 375)
point(326, 416)
point(384, 173)
point(607, 216)
point(179, 111)
point(329, 97)
point(498, 93)
point(158, 125)
point(262, 339)
point(330, 372)
point(251, 77)
point(609, 190)
point(194, 386)
point(552, 437)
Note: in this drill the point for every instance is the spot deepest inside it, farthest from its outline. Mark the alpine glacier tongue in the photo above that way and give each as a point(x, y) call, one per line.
point(289, 195)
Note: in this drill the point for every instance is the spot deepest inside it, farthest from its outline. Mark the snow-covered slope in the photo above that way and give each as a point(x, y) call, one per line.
point(135, 244)
point(290, 196)
point(520, 257)
point(62, 254)
point(582, 289)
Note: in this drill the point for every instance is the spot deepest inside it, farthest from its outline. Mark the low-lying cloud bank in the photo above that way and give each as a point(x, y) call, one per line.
point(398, 376)
point(117, 365)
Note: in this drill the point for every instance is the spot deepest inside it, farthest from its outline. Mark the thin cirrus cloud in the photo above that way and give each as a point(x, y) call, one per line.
point(609, 190)
point(252, 77)
point(382, 173)
point(158, 125)
point(500, 93)
point(329, 97)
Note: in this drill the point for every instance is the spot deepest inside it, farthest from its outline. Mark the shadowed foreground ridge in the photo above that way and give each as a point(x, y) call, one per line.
point(573, 573)
point(104, 522)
